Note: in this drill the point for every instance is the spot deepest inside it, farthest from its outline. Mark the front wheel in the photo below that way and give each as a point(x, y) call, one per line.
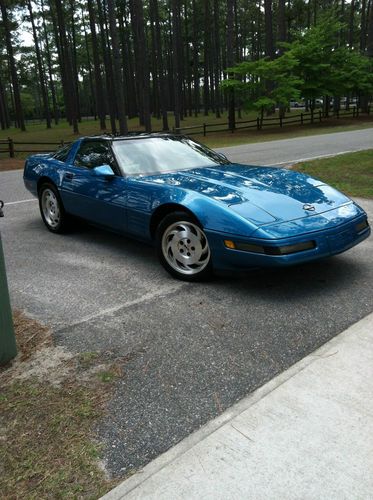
point(183, 247)
point(51, 209)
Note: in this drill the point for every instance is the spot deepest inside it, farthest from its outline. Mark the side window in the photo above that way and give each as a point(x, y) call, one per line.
point(93, 154)
point(62, 153)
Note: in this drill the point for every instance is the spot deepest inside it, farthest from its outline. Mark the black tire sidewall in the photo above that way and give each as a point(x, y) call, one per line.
point(169, 219)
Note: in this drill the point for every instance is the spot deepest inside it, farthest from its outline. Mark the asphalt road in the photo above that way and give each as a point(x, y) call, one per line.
point(192, 350)
point(287, 151)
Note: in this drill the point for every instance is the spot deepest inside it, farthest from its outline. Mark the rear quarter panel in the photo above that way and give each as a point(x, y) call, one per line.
point(45, 166)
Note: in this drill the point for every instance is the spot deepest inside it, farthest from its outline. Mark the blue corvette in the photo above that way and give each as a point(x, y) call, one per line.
point(202, 212)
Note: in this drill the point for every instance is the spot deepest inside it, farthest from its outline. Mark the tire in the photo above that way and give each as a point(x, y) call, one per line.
point(52, 210)
point(183, 248)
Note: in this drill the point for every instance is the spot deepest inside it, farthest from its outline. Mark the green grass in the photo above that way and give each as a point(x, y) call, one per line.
point(351, 173)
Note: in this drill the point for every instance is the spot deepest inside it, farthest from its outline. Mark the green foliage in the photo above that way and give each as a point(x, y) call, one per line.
point(312, 66)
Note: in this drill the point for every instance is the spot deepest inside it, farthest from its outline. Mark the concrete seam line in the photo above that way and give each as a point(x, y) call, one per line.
point(109, 311)
point(214, 425)
point(20, 201)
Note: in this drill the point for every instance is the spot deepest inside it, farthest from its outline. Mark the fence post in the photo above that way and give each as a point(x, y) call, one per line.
point(281, 121)
point(257, 123)
point(301, 118)
point(11, 147)
point(357, 112)
point(8, 348)
point(320, 115)
point(204, 130)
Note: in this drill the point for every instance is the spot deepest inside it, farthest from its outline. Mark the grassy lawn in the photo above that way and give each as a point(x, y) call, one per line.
point(50, 403)
point(351, 173)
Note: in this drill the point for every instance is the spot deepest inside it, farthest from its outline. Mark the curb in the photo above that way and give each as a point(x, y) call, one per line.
point(186, 444)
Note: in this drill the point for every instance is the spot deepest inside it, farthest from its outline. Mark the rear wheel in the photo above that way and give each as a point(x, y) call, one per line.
point(183, 247)
point(51, 209)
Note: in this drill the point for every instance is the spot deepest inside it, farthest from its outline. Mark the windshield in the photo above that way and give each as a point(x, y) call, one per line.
point(163, 154)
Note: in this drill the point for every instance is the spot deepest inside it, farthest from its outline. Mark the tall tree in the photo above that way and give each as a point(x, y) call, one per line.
point(159, 63)
point(117, 69)
point(268, 23)
point(12, 65)
point(196, 76)
point(230, 62)
point(49, 65)
point(206, 57)
point(138, 23)
point(43, 87)
point(110, 88)
point(66, 63)
point(99, 90)
point(176, 59)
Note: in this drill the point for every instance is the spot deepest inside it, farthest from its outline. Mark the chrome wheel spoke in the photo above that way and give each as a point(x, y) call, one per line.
point(50, 208)
point(185, 247)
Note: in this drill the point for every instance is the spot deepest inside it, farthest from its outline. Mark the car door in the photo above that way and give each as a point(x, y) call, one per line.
point(101, 200)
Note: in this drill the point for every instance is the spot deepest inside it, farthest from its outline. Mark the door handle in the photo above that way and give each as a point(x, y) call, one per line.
point(68, 176)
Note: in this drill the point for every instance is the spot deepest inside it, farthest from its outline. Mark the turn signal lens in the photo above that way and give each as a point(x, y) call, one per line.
point(229, 244)
point(285, 250)
point(361, 226)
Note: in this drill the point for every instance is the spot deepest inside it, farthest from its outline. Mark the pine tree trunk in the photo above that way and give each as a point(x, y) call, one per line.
point(92, 100)
point(74, 62)
point(128, 65)
point(117, 69)
point(49, 65)
point(60, 53)
point(175, 60)
point(231, 106)
point(206, 57)
point(43, 88)
point(4, 115)
point(12, 65)
point(363, 33)
point(160, 64)
point(281, 19)
point(195, 62)
point(99, 95)
point(110, 89)
point(67, 64)
point(142, 61)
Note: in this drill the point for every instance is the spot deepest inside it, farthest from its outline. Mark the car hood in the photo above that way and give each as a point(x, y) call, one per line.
point(261, 194)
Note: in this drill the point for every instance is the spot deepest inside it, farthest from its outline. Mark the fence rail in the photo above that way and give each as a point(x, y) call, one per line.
point(12, 148)
point(259, 123)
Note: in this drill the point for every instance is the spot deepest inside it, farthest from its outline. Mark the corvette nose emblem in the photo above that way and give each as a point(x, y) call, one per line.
point(309, 207)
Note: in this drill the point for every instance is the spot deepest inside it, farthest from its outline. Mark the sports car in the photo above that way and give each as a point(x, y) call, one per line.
point(202, 212)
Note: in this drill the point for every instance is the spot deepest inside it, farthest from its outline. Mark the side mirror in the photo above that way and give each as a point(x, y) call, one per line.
point(103, 171)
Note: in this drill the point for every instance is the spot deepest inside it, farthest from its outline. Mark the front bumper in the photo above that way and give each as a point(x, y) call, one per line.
point(328, 242)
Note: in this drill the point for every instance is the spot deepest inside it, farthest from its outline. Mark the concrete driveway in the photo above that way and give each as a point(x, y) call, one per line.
point(192, 349)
